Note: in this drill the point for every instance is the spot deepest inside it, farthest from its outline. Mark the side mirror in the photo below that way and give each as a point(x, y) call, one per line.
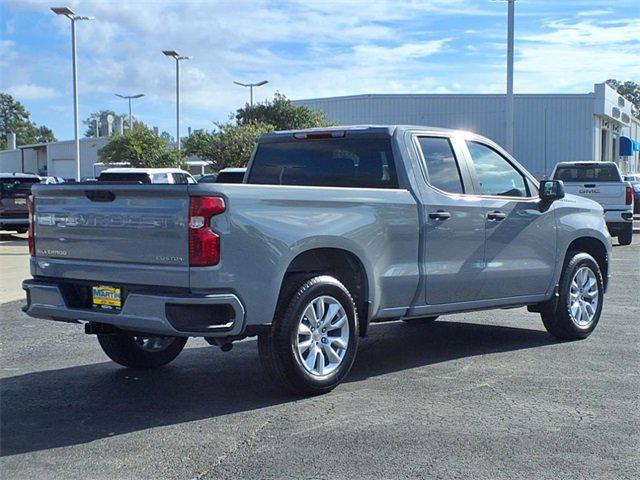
point(551, 190)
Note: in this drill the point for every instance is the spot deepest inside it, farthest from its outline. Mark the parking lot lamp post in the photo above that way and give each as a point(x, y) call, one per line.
point(67, 12)
point(251, 85)
point(130, 97)
point(175, 55)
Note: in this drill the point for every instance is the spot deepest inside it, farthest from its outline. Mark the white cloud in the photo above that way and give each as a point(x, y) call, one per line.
point(594, 13)
point(30, 91)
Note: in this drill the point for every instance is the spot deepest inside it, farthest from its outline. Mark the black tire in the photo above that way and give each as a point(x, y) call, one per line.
point(22, 230)
point(558, 320)
point(421, 320)
point(626, 235)
point(277, 346)
point(126, 350)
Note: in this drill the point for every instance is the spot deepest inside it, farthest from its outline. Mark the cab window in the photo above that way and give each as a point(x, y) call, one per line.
point(496, 176)
point(442, 166)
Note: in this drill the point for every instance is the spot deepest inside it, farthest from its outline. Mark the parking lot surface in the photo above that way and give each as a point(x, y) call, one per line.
point(479, 395)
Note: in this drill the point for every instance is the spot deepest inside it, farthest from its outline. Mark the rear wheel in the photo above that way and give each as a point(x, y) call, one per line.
point(312, 342)
point(626, 235)
point(579, 304)
point(140, 351)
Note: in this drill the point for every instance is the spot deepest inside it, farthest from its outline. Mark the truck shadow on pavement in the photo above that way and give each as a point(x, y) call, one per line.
point(80, 404)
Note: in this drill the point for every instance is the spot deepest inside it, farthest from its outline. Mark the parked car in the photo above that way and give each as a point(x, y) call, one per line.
point(146, 175)
point(634, 180)
point(334, 229)
point(601, 182)
point(208, 178)
point(15, 189)
point(231, 175)
point(52, 180)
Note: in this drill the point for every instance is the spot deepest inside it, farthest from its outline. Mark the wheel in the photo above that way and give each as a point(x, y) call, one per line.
point(626, 235)
point(579, 304)
point(313, 339)
point(139, 351)
point(22, 230)
point(421, 320)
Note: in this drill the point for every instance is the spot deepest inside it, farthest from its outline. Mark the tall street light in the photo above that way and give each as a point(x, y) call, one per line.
point(509, 109)
point(251, 85)
point(175, 55)
point(67, 12)
point(129, 97)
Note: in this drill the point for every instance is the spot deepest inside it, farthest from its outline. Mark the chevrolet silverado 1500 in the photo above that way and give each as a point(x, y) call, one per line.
point(331, 230)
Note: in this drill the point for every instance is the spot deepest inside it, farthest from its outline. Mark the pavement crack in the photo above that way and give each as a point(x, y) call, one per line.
point(233, 448)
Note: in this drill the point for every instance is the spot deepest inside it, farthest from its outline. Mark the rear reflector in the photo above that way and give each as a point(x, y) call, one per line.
point(629, 198)
point(204, 243)
point(32, 233)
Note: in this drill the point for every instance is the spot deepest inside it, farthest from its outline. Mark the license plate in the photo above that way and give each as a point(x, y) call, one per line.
point(108, 298)
point(20, 201)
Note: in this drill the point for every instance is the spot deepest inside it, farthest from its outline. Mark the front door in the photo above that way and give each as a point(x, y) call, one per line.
point(520, 245)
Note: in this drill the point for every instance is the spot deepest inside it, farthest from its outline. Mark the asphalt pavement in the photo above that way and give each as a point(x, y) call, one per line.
point(486, 395)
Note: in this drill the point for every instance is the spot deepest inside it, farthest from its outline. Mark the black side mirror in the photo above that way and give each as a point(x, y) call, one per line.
point(551, 190)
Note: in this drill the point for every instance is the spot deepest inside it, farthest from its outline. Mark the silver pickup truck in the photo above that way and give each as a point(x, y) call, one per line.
point(602, 183)
point(331, 230)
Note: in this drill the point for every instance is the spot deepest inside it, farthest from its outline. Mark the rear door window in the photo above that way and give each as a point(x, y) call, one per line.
point(442, 167)
point(335, 162)
point(134, 177)
point(587, 173)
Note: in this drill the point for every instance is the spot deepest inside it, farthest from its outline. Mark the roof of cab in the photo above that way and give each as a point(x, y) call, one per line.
point(18, 175)
point(352, 130)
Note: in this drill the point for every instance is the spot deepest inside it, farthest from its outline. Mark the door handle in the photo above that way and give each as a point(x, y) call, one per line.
point(589, 185)
point(497, 216)
point(440, 215)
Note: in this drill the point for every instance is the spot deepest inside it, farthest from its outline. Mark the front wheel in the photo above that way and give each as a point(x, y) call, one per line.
point(140, 351)
point(579, 305)
point(312, 342)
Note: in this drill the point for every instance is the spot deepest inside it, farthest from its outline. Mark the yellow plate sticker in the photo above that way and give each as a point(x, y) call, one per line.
point(20, 201)
point(106, 297)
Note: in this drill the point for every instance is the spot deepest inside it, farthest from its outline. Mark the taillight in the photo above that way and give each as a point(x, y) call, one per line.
point(629, 198)
point(31, 204)
point(204, 243)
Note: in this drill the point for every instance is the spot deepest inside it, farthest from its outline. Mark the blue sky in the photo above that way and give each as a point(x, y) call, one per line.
point(305, 49)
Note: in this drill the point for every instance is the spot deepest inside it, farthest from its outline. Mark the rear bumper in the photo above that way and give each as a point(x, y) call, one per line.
point(185, 315)
point(20, 222)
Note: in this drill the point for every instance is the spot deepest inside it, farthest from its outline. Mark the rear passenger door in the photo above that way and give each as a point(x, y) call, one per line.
point(453, 232)
point(520, 245)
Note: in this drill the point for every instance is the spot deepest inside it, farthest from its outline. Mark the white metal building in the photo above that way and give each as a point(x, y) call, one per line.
point(55, 159)
point(549, 128)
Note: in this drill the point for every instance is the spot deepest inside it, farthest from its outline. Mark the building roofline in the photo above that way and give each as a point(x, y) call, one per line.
point(588, 95)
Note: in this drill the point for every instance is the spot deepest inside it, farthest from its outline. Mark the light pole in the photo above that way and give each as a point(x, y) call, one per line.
point(251, 85)
point(173, 54)
point(509, 109)
point(129, 97)
point(67, 12)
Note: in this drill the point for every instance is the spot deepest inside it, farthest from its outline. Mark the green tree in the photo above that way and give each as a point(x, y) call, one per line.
point(15, 118)
point(230, 146)
point(629, 90)
point(140, 147)
point(282, 114)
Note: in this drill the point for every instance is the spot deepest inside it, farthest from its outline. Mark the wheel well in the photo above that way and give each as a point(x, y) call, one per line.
point(596, 249)
point(341, 264)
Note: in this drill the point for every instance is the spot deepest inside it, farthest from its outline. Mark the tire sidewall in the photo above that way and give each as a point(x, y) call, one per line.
point(288, 330)
point(576, 262)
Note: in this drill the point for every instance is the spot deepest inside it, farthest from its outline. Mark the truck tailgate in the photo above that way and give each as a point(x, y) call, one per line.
point(134, 232)
point(607, 194)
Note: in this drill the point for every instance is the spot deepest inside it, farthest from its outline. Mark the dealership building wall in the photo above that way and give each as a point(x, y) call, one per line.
point(548, 128)
point(54, 159)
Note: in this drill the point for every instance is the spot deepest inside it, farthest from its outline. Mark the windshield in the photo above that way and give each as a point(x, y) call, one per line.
point(587, 173)
point(16, 187)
